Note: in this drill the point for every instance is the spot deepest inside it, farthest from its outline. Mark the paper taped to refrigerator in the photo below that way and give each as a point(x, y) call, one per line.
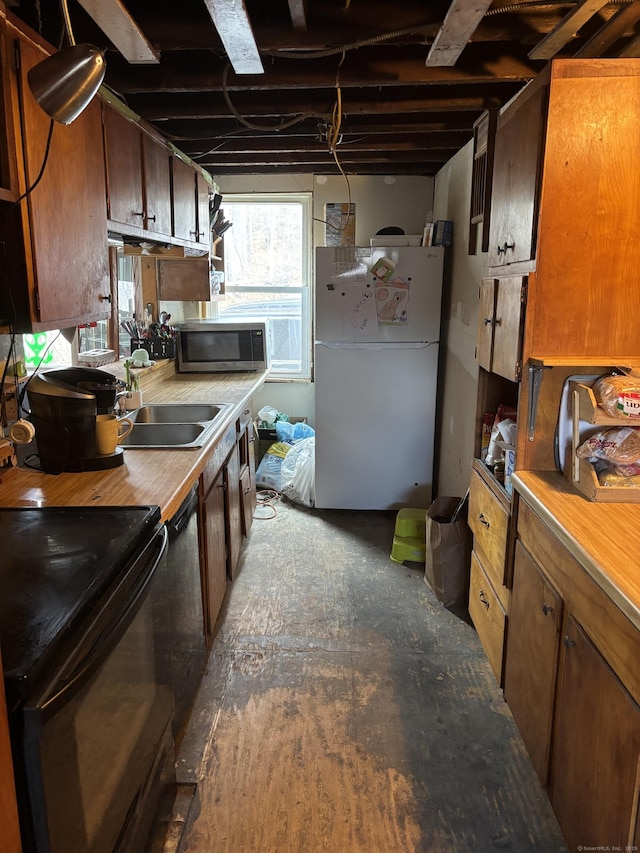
point(392, 301)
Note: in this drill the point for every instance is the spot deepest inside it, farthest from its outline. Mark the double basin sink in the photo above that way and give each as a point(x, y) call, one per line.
point(173, 425)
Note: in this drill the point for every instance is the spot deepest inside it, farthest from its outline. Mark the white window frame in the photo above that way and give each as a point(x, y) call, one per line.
point(305, 199)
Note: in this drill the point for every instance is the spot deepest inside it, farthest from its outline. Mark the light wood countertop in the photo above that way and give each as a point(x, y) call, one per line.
point(162, 477)
point(603, 537)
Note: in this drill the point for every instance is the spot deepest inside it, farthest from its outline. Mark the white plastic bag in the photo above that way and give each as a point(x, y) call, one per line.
point(269, 473)
point(299, 472)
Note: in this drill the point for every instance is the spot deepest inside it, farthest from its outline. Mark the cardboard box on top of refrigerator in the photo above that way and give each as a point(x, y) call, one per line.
point(340, 224)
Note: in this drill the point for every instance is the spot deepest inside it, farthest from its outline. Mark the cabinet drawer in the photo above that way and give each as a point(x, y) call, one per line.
point(489, 619)
point(489, 522)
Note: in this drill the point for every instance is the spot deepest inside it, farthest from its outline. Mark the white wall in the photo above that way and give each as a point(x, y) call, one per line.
point(458, 368)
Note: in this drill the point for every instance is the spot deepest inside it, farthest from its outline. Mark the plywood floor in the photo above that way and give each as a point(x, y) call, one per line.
point(344, 710)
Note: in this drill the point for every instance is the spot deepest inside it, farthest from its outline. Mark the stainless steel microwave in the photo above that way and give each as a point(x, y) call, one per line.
point(208, 346)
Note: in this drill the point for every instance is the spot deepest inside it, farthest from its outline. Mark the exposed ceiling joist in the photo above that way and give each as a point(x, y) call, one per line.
point(460, 22)
point(298, 15)
point(611, 31)
point(116, 22)
point(231, 20)
point(566, 29)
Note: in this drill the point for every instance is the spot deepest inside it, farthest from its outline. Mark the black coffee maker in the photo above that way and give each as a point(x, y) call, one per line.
point(64, 404)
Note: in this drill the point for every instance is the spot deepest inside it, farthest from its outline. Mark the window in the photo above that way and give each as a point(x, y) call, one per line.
point(267, 268)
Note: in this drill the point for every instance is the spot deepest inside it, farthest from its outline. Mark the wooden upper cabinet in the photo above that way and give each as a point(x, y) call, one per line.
point(57, 258)
point(565, 186)
point(157, 186)
point(185, 216)
point(190, 204)
point(203, 189)
point(585, 299)
point(138, 177)
point(516, 174)
point(500, 325)
point(8, 176)
point(123, 150)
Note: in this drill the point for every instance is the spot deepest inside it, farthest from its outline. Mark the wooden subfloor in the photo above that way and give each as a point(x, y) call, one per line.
point(344, 710)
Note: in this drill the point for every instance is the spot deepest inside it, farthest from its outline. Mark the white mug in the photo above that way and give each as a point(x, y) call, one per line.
point(110, 430)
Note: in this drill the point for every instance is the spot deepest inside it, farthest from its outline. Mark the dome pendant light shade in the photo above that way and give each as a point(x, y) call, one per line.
point(64, 83)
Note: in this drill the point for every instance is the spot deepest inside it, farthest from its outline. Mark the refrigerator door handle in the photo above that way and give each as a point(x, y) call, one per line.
point(386, 345)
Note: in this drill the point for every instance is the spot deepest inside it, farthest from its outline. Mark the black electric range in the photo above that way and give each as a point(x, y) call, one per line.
point(56, 564)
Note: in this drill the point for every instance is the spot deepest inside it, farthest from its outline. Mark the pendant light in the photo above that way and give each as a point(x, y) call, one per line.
point(64, 83)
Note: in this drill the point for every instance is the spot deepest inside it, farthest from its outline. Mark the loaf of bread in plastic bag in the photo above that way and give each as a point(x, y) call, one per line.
point(619, 446)
point(618, 395)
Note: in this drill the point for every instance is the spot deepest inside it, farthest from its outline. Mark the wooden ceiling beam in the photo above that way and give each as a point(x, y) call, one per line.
point(450, 142)
point(231, 20)
point(460, 23)
point(554, 41)
point(298, 15)
point(610, 32)
point(203, 73)
point(116, 23)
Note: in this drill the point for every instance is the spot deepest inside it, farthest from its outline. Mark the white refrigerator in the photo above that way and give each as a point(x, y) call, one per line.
point(377, 330)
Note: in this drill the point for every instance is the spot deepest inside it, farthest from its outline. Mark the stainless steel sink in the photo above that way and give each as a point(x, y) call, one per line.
point(173, 425)
point(177, 413)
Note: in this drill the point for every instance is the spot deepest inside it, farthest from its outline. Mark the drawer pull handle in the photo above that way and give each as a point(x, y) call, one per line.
point(492, 321)
point(483, 599)
point(568, 642)
point(502, 250)
point(483, 520)
point(546, 608)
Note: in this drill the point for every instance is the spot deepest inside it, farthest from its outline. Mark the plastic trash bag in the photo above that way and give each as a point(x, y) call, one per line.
point(269, 472)
point(286, 431)
point(267, 416)
point(298, 473)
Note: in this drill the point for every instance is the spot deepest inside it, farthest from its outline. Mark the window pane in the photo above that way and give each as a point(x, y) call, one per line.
point(266, 276)
point(264, 246)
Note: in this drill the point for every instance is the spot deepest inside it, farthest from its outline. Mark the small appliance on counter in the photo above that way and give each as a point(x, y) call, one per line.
point(64, 404)
point(209, 346)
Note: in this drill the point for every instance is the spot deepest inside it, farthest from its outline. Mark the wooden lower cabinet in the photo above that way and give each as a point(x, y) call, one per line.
point(531, 656)
point(247, 475)
point(233, 510)
point(489, 596)
point(214, 553)
point(488, 616)
point(571, 681)
point(489, 522)
point(596, 750)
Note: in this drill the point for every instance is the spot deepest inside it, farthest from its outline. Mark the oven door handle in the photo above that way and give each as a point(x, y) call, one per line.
point(59, 693)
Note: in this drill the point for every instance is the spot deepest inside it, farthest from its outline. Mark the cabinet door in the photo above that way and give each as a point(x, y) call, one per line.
point(157, 186)
point(203, 191)
point(67, 218)
point(8, 175)
point(596, 747)
point(507, 327)
point(247, 476)
point(233, 511)
point(123, 149)
point(184, 201)
point(535, 616)
point(486, 318)
point(215, 553)
point(514, 197)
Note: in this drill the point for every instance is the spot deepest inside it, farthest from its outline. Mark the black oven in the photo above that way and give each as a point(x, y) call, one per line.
point(88, 683)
